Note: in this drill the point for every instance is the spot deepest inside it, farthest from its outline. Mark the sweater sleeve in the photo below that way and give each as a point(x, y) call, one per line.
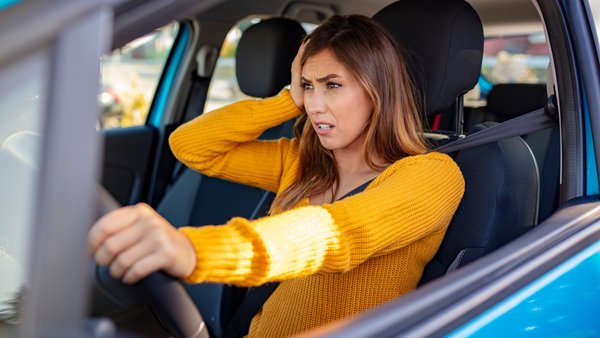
point(223, 143)
point(412, 199)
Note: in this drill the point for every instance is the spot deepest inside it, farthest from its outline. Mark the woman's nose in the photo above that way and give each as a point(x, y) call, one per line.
point(314, 103)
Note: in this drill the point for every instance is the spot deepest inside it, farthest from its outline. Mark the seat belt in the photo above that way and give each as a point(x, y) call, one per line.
point(536, 120)
point(195, 103)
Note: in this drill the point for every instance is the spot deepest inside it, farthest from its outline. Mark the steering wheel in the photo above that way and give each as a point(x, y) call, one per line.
point(163, 294)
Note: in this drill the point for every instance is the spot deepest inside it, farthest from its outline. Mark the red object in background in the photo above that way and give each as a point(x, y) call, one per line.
point(436, 122)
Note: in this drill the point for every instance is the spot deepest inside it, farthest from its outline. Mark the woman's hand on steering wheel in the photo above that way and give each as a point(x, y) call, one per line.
point(135, 241)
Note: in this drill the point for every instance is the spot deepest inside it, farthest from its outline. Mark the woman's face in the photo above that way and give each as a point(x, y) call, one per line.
point(336, 104)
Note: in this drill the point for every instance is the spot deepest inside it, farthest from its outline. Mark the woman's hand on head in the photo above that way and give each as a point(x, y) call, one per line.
point(296, 90)
point(135, 241)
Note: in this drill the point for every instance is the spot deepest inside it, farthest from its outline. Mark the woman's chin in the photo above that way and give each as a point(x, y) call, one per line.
point(328, 145)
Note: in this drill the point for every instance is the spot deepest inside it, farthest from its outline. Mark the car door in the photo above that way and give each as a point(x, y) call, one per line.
point(143, 90)
point(136, 79)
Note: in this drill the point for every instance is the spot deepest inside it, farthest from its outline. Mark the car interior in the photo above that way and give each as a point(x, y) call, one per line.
point(512, 184)
point(509, 89)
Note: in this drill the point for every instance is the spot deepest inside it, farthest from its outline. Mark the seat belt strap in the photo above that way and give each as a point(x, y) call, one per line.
point(358, 189)
point(195, 102)
point(536, 120)
point(255, 298)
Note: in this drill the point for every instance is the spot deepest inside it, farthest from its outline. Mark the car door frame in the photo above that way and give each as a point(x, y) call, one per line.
point(73, 35)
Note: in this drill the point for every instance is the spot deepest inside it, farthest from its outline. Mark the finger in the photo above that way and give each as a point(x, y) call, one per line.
point(109, 224)
point(126, 259)
point(298, 57)
point(143, 267)
point(112, 246)
point(302, 45)
point(301, 50)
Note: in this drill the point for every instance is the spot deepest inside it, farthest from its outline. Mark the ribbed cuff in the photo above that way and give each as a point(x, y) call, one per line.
point(222, 253)
point(275, 110)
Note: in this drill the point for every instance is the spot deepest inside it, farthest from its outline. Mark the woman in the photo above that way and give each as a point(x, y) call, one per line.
point(336, 256)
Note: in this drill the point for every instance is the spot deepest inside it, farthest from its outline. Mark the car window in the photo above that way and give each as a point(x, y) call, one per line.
point(130, 76)
point(224, 88)
point(21, 122)
point(522, 58)
point(510, 59)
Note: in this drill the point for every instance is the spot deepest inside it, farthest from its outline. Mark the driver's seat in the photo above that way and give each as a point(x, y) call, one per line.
point(263, 61)
point(444, 44)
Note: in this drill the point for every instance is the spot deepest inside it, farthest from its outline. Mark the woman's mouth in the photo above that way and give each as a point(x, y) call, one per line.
point(323, 128)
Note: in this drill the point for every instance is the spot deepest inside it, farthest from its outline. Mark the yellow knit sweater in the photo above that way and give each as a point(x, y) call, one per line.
point(334, 260)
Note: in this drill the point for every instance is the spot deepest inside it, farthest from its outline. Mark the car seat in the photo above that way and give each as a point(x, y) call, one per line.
point(263, 61)
point(509, 100)
point(443, 40)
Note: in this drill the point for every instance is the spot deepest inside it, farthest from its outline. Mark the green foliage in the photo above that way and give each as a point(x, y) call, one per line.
point(229, 48)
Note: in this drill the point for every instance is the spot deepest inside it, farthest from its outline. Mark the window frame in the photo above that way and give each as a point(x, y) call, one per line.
point(75, 34)
point(165, 95)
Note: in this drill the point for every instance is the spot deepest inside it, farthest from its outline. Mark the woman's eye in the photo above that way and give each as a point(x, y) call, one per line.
point(306, 85)
point(333, 85)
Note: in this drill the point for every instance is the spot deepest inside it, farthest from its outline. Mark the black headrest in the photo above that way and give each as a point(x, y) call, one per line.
point(264, 56)
point(514, 99)
point(443, 40)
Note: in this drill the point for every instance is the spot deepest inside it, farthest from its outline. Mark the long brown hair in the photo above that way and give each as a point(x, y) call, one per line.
point(394, 131)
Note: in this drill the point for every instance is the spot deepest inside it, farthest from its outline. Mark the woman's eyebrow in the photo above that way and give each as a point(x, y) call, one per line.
point(322, 79)
point(328, 77)
point(303, 79)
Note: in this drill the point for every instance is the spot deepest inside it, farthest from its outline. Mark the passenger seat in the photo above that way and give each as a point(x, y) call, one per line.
point(508, 100)
point(263, 61)
point(501, 179)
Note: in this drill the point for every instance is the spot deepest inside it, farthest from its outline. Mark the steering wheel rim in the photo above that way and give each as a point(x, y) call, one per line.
point(162, 293)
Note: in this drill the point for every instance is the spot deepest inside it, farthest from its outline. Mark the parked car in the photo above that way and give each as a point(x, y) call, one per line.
point(538, 279)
